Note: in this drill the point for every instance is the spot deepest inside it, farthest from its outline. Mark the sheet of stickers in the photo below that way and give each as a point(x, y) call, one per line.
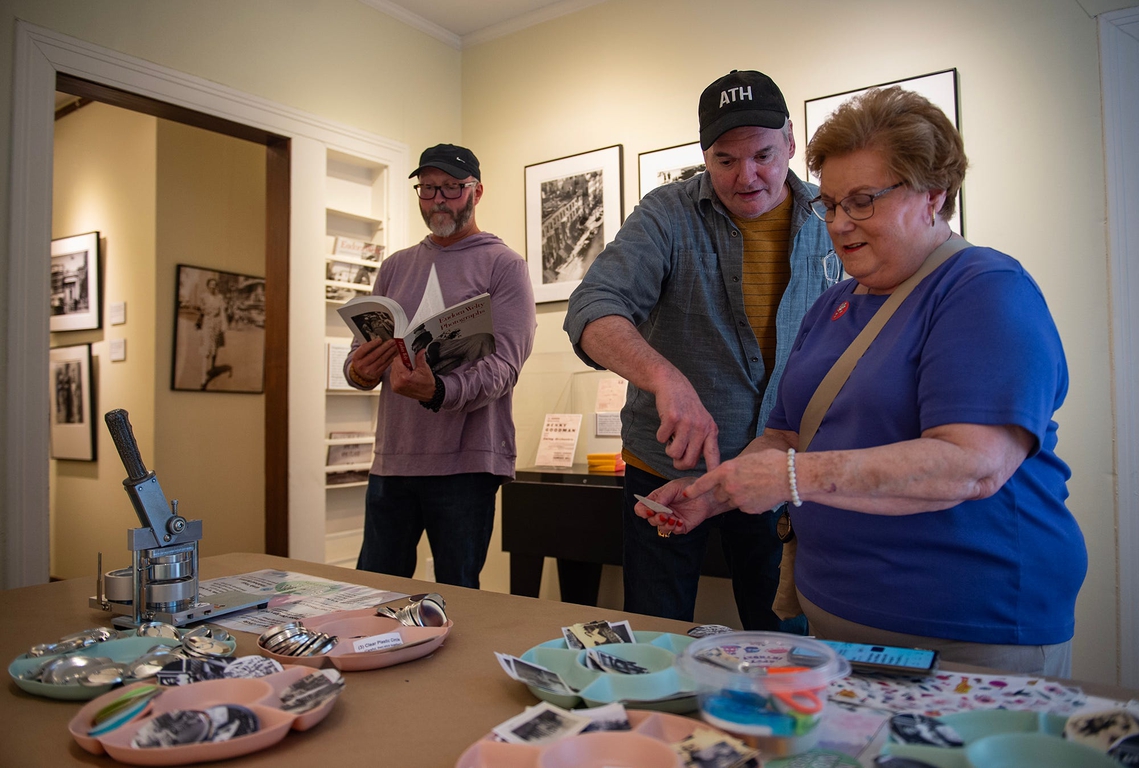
point(857, 722)
point(947, 692)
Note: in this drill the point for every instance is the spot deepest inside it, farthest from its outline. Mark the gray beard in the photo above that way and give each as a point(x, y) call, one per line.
point(454, 222)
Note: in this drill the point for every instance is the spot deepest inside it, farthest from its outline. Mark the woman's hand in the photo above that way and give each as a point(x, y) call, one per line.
point(687, 512)
point(753, 482)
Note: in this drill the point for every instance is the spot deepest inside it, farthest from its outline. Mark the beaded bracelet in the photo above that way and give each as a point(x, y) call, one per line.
point(792, 479)
point(436, 402)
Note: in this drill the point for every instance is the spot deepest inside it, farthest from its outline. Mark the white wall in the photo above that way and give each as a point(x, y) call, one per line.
point(160, 194)
point(631, 71)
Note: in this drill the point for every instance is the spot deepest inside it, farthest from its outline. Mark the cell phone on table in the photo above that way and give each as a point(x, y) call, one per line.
point(864, 657)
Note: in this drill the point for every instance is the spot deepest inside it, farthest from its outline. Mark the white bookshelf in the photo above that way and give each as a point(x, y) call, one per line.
point(357, 210)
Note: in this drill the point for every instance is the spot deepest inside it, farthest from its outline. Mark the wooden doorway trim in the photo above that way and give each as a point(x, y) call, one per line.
point(277, 211)
point(276, 523)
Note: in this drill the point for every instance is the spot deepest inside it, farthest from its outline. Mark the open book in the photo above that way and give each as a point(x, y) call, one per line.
point(452, 336)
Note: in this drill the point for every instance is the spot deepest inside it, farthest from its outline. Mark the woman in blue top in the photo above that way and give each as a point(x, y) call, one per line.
point(932, 500)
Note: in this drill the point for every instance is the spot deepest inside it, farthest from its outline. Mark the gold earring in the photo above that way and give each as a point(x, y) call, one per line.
point(932, 219)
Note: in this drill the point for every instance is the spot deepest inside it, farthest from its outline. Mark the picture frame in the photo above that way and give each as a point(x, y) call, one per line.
point(72, 403)
point(939, 87)
point(574, 206)
point(75, 286)
point(219, 331)
point(668, 165)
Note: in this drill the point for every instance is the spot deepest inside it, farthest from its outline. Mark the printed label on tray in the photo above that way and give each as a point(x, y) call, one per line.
point(377, 642)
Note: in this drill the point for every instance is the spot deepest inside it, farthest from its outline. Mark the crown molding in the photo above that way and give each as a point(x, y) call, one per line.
point(530, 19)
point(418, 22)
point(501, 29)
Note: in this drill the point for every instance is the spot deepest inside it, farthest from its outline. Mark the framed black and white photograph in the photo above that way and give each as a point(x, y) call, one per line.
point(72, 403)
point(219, 331)
point(939, 87)
point(668, 165)
point(574, 207)
point(75, 283)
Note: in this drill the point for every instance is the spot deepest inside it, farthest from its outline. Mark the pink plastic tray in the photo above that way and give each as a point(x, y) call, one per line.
point(259, 694)
point(647, 745)
point(347, 625)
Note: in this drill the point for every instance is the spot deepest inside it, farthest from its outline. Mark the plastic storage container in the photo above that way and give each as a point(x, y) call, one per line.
point(768, 688)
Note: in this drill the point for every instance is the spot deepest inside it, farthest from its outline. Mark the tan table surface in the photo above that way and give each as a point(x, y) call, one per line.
point(424, 713)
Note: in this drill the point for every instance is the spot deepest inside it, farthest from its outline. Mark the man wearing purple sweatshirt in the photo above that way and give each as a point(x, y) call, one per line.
point(444, 442)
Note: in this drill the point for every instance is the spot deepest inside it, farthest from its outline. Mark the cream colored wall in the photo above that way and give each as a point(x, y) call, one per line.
point(209, 446)
point(104, 179)
point(338, 59)
point(160, 194)
point(631, 71)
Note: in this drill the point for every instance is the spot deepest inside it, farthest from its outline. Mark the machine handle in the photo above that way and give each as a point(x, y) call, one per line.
point(123, 437)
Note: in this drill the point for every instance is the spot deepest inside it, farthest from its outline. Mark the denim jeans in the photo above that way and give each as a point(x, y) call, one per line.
point(456, 511)
point(662, 574)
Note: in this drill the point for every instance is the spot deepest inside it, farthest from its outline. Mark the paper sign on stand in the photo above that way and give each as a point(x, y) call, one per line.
point(610, 395)
point(610, 401)
point(607, 424)
point(559, 440)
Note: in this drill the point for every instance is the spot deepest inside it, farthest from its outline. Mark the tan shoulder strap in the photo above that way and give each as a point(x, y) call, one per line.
point(838, 374)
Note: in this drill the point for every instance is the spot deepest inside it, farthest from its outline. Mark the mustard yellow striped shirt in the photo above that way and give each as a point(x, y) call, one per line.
point(766, 272)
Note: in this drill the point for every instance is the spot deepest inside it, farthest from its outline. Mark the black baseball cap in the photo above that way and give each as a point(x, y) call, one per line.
point(457, 161)
point(740, 98)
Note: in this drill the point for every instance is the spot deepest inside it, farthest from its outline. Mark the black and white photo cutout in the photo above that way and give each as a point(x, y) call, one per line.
point(541, 724)
point(540, 677)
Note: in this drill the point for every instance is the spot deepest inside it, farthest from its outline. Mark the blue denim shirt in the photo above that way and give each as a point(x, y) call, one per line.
point(674, 271)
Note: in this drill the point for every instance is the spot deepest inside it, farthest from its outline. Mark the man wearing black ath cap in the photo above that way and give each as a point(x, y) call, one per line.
point(444, 430)
point(697, 302)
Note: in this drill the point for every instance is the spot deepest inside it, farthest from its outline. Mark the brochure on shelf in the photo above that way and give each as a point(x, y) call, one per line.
point(335, 353)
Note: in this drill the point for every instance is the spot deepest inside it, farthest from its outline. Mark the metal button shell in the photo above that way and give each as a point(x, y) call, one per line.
point(157, 629)
point(70, 669)
point(205, 647)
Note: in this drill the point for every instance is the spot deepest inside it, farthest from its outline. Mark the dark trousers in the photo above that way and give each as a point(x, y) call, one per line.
point(662, 574)
point(456, 511)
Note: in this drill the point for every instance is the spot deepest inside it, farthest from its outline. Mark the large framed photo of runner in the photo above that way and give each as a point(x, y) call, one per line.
point(939, 87)
point(219, 331)
point(574, 207)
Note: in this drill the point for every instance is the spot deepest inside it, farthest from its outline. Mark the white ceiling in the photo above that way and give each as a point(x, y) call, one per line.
point(461, 23)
